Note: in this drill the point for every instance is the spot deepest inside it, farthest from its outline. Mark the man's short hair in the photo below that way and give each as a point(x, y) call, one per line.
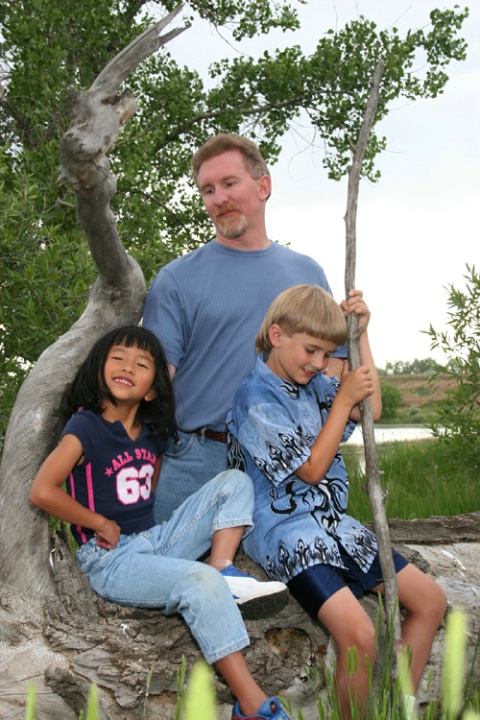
point(304, 309)
point(218, 144)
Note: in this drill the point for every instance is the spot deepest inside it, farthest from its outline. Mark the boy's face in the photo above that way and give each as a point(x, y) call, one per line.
point(298, 357)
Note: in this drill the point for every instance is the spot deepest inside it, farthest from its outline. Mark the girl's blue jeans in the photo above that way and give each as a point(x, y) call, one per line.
point(158, 568)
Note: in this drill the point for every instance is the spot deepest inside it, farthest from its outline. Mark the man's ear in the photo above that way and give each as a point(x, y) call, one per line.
point(151, 395)
point(275, 334)
point(264, 187)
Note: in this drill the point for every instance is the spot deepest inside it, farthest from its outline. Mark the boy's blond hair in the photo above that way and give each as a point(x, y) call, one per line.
point(304, 309)
point(253, 159)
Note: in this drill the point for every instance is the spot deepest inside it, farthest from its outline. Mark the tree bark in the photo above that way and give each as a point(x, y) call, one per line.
point(116, 298)
point(373, 472)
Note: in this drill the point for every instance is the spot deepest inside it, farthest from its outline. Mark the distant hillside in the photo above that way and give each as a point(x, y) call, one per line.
point(419, 393)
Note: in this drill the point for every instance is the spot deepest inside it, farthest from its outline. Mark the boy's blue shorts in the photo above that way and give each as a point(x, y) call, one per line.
point(312, 587)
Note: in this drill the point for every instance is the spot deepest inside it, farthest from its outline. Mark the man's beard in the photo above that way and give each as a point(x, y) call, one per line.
point(231, 228)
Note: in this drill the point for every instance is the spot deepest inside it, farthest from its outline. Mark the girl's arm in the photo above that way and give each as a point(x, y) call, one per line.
point(156, 473)
point(47, 493)
point(355, 386)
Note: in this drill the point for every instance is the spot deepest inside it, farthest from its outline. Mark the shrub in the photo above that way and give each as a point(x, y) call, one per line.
point(457, 421)
point(391, 400)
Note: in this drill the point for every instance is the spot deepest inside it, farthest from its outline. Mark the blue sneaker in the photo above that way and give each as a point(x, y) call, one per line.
point(256, 599)
point(270, 710)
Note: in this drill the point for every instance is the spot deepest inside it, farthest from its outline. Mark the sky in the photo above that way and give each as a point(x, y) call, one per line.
point(417, 227)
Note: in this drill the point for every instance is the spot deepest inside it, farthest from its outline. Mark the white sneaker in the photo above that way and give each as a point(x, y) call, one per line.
point(256, 599)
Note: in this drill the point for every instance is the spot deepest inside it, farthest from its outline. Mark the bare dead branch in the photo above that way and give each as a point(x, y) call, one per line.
point(118, 69)
point(375, 491)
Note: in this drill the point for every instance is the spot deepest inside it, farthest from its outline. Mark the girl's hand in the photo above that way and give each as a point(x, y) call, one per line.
point(108, 535)
point(356, 304)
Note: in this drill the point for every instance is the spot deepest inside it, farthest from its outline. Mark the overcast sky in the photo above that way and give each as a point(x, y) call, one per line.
point(417, 228)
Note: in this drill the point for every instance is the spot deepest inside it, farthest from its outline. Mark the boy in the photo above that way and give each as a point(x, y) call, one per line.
point(287, 422)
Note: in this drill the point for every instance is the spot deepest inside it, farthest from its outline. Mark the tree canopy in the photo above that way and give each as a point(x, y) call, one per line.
point(48, 47)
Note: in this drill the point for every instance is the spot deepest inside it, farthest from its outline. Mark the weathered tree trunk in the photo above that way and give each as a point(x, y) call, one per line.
point(116, 298)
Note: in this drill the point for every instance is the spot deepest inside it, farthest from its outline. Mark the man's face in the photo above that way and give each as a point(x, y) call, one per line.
point(233, 199)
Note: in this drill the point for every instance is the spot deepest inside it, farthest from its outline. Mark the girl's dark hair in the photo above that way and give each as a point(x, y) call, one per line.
point(88, 389)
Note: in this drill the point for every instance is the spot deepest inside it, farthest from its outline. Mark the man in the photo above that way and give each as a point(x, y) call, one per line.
point(206, 308)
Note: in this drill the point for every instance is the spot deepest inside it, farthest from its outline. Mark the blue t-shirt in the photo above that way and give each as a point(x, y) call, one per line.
point(115, 475)
point(272, 427)
point(206, 308)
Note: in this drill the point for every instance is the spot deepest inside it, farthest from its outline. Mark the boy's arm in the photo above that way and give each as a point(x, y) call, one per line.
point(355, 386)
point(47, 493)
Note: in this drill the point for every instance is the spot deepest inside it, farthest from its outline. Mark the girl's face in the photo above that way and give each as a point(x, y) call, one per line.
point(299, 357)
point(129, 374)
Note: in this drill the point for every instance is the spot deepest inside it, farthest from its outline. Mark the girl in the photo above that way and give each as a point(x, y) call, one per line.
point(109, 455)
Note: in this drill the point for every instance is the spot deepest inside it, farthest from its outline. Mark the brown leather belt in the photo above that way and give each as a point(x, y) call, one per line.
point(211, 434)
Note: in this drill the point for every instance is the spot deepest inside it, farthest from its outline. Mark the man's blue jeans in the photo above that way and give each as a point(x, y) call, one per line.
point(187, 466)
point(158, 568)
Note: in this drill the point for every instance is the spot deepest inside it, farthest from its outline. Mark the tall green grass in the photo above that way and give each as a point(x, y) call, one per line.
point(419, 479)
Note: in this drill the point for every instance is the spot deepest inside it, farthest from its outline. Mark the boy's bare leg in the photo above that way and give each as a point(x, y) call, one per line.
point(350, 627)
point(425, 603)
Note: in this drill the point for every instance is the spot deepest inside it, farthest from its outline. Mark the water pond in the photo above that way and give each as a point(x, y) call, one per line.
point(390, 433)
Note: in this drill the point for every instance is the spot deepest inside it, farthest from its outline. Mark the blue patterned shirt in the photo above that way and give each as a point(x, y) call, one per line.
point(272, 427)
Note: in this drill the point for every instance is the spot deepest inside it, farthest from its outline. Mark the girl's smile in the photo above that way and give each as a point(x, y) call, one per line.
point(129, 373)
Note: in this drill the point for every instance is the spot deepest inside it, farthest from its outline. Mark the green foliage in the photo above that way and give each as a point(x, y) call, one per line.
point(418, 478)
point(200, 699)
point(457, 421)
point(50, 46)
point(92, 705)
point(181, 688)
point(30, 704)
point(391, 400)
point(454, 665)
point(411, 367)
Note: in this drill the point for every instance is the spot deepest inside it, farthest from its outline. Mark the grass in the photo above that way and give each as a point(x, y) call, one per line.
point(418, 478)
